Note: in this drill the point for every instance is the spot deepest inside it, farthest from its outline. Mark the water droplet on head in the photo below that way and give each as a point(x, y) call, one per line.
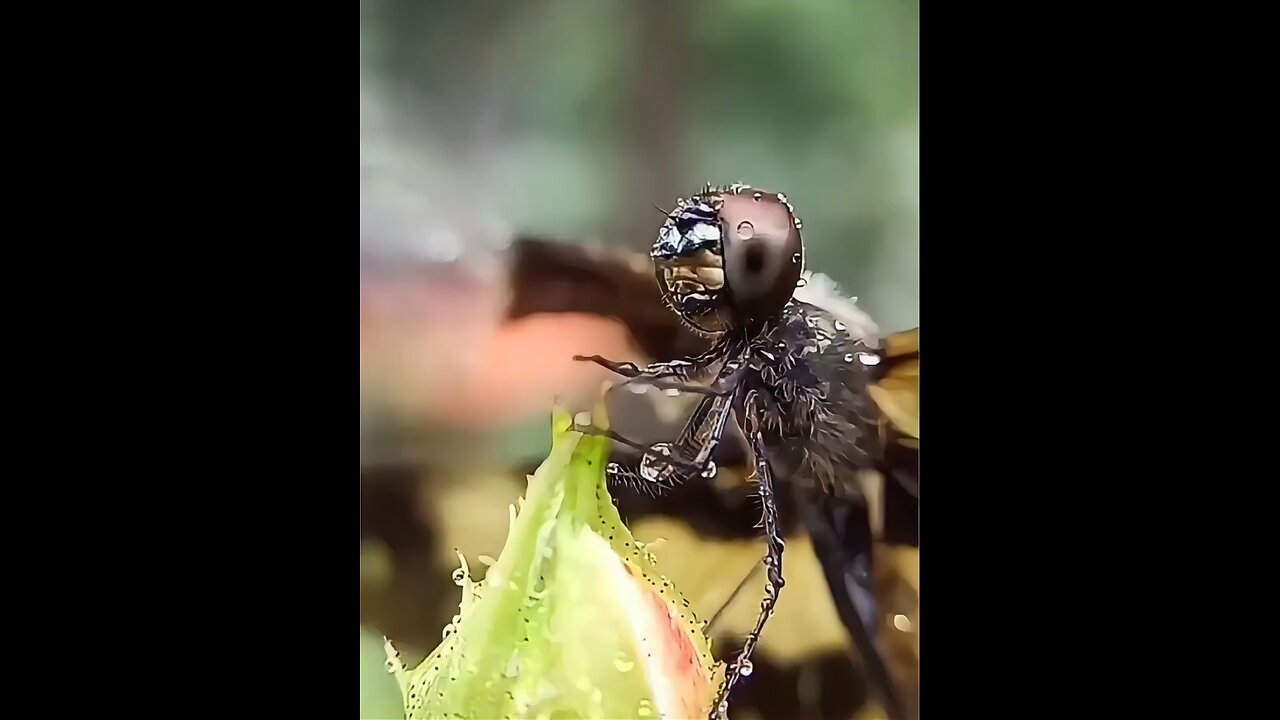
point(869, 358)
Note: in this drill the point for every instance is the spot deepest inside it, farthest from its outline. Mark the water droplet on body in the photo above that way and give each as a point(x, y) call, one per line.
point(745, 667)
point(653, 463)
point(869, 358)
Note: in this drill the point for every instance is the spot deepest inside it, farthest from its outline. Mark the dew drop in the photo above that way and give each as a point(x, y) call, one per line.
point(848, 357)
point(710, 470)
point(869, 358)
point(802, 282)
point(513, 666)
point(653, 464)
point(391, 665)
point(745, 667)
point(643, 710)
point(671, 392)
point(840, 325)
point(799, 225)
point(795, 258)
point(621, 662)
point(757, 196)
point(638, 389)
point(459, 577)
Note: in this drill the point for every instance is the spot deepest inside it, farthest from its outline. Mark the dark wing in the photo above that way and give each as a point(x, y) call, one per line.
point(896, 392)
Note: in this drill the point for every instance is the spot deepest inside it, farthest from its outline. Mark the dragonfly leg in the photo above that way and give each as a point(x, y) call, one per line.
point(774, 580)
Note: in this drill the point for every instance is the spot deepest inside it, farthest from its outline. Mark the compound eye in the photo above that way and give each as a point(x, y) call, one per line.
point(689, 264)
point(762, 259)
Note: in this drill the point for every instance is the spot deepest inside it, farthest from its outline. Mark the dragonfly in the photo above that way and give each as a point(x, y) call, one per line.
point(817, 403)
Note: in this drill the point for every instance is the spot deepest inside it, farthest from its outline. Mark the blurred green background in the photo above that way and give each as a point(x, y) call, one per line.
point(572, 118)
